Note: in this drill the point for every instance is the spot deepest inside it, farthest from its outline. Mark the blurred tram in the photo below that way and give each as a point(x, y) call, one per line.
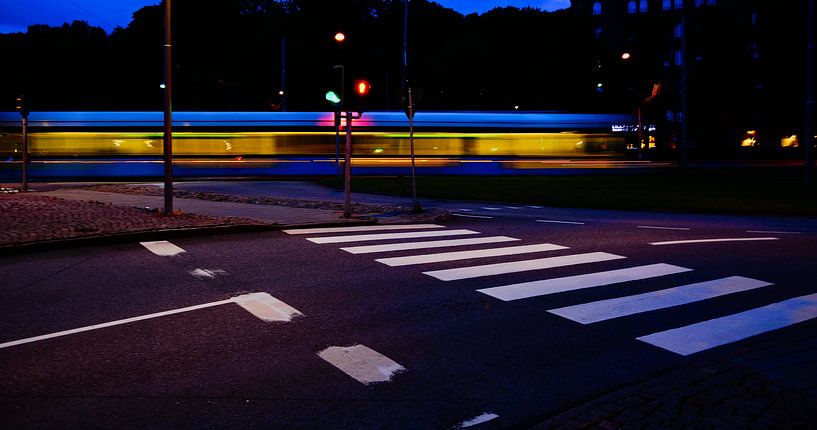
point(129, 144)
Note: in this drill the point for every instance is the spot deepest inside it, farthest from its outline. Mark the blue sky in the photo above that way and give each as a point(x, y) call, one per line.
point(17, 15)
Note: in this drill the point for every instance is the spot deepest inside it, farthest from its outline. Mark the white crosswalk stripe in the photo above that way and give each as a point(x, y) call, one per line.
point(603, 310)
point(543, 287)
point(464, 255)
point(388, 236)
point(404, 246)
point(520, 266)
point(362, 228)
point(731, 328)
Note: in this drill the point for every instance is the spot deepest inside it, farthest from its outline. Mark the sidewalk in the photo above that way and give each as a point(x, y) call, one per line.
point(63, 214)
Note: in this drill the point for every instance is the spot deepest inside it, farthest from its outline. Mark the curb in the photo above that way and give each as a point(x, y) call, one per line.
point(149, 235)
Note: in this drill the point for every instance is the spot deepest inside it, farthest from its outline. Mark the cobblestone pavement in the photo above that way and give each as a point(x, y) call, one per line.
point(718, 396)
point(28, 217)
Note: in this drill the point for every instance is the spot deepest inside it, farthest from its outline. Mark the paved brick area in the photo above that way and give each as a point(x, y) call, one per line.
point(28, 217)
point(721, 396)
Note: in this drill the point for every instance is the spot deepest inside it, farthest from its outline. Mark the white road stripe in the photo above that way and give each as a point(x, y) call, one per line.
point(404, 246)
point(513, 207)
point(162, 248)
point(559, 222)
point(255, 303)
point(653, 227)
point(731, 328)
point(364, 364)
point(361, 228)
point(772, 232)
point(535, 207)
point(603, 310)
point(520, 266)
point(207, 273)
point(464, 255)
point(389, 236)
point(465, 210)
point(473, 216)
point(570, 283)
point(734, 239)
point(482, 418)
point(492, 209)
point(266, 307)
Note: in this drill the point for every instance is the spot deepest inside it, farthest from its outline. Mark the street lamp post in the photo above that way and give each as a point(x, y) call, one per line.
point(168, 118)
point(337, 126)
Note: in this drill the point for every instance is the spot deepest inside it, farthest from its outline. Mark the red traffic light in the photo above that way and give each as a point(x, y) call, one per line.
point(362, 87)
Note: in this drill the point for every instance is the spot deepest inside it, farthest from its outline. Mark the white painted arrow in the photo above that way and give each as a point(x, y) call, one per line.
point(262, 305)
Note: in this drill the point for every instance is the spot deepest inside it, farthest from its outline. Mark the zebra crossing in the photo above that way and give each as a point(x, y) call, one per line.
point(683, 340)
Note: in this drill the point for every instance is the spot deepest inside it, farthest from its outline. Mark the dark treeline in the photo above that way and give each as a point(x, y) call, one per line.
point(227, 56)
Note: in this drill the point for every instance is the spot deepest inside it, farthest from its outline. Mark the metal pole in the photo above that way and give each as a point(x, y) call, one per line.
point(337, 129)
point(415, 204)
point(347, 185)
point(25, 154)
point(640, 134)
point(283, 74)
point(404, 80)
point(808, 126)
point(683, 148)
point(168, 118)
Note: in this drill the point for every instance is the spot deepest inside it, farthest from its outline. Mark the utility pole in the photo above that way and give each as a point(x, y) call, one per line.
point(168, 118)
point(808, 126)
point(409, 109)
point(684, 90)
point(283, 91)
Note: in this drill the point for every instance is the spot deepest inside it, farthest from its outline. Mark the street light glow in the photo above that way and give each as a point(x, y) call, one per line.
point(625, 56)
point(340, 37)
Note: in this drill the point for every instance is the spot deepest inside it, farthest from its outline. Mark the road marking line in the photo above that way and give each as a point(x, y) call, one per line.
point(404, 246)
point(535, 207)
point(261, 305)
point(364, 364)
point(734, 239)
point(544, 287)
point(162, 248)
point(464, 255)
point(207, 273)
point(492, 209)
point(772, 232)
point(559, 222)
point(484, 418)
point(361, 228)
point(731, 328)
point(267, 308)
point(473, 216)
point(603, 310)
point(663, 228)
point(520, 266)
point(388, 236)
point(513, 207)
point(465, 210)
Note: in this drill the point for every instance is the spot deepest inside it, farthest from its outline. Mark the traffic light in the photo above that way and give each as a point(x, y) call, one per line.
point(22, 106)
point(362, 87)
point(333, 99)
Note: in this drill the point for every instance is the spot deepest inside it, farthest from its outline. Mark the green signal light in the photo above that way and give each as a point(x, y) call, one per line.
point(332, 97)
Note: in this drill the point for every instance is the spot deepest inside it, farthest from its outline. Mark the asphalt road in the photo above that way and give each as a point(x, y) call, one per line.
point(447, 354)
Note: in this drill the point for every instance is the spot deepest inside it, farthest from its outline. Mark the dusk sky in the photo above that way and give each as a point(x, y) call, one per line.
point(17, 15)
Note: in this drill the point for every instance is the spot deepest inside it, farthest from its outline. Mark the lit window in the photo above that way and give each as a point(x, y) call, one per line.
point(597, 8)
point(679, 58)
point(631, 7)
point(642, 6)
point(599, 32)
point(667, 5)
point(679, 31)
point(678, 4)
